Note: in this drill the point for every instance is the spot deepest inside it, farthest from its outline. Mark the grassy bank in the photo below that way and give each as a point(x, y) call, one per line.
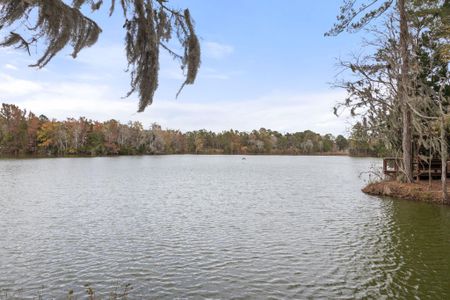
point(417, 191)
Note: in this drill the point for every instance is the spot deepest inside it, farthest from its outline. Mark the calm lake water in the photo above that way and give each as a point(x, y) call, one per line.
point(215, 227)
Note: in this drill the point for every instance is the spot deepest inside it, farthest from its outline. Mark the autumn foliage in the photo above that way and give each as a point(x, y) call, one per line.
point(23, 133)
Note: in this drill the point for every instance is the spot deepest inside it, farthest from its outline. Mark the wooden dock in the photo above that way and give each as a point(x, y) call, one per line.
point(422, 169)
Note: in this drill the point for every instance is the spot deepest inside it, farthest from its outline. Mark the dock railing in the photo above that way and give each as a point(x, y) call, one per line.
point(392, 166)
point(422, 169)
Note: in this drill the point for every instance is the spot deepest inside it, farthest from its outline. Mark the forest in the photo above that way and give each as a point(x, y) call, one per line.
point(24, 133)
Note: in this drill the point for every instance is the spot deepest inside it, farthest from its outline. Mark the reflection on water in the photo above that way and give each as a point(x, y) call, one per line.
point(215, 227)
point(420, 243)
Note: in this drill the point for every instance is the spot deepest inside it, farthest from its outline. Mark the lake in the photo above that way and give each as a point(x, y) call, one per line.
point(215, 227)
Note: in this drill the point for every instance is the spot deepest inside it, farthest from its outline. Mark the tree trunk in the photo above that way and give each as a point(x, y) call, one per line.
point(403, 93)
point(430, 158)
point(444, 155)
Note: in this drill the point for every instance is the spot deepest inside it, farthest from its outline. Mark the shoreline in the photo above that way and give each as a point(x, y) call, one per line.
point(28, 156)
point(420, 191)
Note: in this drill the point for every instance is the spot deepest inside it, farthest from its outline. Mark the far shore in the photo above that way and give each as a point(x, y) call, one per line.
point(31, 156)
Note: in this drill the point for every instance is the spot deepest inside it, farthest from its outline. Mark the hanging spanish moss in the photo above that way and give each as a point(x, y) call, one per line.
point(149, 26)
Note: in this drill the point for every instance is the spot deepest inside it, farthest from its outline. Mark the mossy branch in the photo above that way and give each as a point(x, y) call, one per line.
point(149, 24)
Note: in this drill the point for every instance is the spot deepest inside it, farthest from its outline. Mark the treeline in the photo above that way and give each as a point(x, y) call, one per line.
point(23, 133)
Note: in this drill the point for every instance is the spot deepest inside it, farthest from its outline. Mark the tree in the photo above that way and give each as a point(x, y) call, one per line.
point(149, 24)
point(349, 20)
point(341, 142)
point(111, 136)
point(53, 138)
point(437, 16)
point(77, 132)
point(33, 124)
point(372, 87)
point(156, 142)
point(363, 143)
point(328, 142)
point(14, 129)
point(432, 81)
point(437, 10)
point(375, 92)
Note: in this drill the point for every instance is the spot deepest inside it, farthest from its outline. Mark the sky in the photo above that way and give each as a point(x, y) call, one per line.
point(265, 63)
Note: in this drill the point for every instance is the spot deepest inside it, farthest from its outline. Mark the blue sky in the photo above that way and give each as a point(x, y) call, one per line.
point(265, 64)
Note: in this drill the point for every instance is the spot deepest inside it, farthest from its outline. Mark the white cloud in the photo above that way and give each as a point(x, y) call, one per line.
point(102, 56)
point(278, 111)
point(11, 86)
point(173, 72)
point(217, 50)
point(210, 73)
point(282, 111)
point(10, 67)
point(66, 99)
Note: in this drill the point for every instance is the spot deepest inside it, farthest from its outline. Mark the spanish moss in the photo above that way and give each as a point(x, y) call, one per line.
point(149, 26)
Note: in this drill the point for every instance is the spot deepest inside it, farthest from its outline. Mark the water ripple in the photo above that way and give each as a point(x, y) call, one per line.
point(215, 227)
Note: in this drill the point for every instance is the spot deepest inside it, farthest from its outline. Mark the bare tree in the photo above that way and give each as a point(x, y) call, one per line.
point(354, 18)
point(373, 90)
point(371, 82)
